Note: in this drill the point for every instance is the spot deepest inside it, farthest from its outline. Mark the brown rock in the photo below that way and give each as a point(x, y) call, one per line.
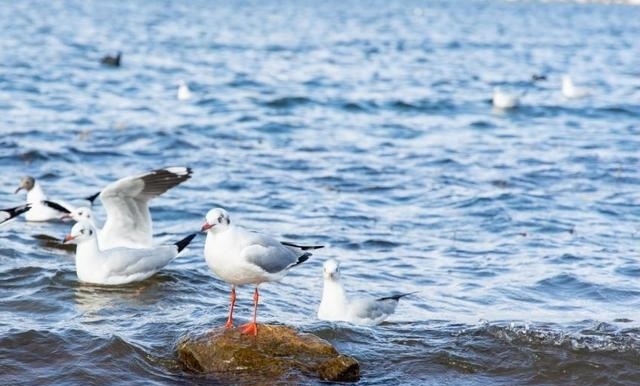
point(277, 352)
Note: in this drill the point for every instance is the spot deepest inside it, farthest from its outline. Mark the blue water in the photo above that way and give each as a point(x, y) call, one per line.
point(363, 126)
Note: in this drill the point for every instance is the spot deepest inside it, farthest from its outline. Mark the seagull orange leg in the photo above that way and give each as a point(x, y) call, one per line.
point(229, 323)
point(252, 327)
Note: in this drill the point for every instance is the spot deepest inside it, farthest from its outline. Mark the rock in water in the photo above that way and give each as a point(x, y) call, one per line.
point(275, 352)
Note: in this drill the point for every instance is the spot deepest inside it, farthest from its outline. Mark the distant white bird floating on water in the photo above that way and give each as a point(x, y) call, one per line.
point(126, 202)
point(336, 306)
point(571, 91)
point(239, 256)
point(183, 91)
point(10, 213)
point(504, 100)
point(118, 265)
point(42, 209)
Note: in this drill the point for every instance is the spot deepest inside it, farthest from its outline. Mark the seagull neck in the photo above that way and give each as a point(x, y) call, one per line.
point(36, 194)
point(333, 290)
point(88, 248)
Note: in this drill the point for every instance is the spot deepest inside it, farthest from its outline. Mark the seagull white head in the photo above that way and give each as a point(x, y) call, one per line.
point(82, 214)
point(331, 270)
point(27, 183)
point(81, 231)
point(217, 220)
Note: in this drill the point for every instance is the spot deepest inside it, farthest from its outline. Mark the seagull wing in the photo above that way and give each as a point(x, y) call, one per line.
point(126, 265)
point(126, 203)
point(8, 214)
point(270, 255)
point(373, 311)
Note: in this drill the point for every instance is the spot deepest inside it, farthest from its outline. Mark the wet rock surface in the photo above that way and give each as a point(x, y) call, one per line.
point(276, 352)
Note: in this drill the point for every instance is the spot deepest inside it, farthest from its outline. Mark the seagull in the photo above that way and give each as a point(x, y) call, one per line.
point(42, 209)
point(113, 61)
point(9, 213)
point(118, 265)
point(503, 100)
point(183, 91)
point(126, 202)
point(335, 305)
point(239, 256)
point(571, 91)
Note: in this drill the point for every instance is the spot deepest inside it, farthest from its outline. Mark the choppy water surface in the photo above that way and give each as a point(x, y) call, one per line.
point(365, 126)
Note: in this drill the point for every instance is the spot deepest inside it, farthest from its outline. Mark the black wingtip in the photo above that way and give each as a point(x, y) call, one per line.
point(92, 198)
point(182, 244)
point(18, 210)
point(302, 259)
point(397, 297)
point(56, 206)
point(303, 247)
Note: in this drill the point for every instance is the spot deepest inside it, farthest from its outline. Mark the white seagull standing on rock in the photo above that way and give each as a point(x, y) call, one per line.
point(42, 209)
point(9, 213)
point(126, 202)
point(118, 265)
point(239, 256)
point(335, 306)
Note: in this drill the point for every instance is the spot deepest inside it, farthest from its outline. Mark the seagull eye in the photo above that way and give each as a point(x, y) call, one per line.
point(81, 213)
point(82, 231)
point(220, 219)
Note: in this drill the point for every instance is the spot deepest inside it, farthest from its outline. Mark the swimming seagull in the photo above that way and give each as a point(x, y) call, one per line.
point(9, 213)
point(239, 256)
point(118, 265)
point(183, 91)
point(335, 305)
point(504, 100)
point(113, 61)
point(42, 209)
point(126, 202)
point(571, 91)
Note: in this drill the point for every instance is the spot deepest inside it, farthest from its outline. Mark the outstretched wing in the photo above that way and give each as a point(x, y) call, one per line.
point(126, 203)
point(8, 214)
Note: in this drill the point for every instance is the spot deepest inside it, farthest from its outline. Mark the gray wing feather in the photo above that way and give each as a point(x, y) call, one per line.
point(128, 261)
point(269, 258)
point(126, 201)
point(374, 309)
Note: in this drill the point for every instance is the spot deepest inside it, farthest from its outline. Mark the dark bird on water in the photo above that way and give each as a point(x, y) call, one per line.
point(113, 61)
point(538, 77)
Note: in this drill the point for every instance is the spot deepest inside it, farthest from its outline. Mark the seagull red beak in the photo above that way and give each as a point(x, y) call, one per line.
point(206, 226)
point(67, 238)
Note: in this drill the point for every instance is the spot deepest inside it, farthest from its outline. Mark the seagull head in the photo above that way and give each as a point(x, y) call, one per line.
point(26, 183)
point(331, 270)
point(81, 231)
point(82, 214)
point(216, 220)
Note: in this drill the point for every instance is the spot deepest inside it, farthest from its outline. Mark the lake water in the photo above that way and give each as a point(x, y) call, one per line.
point(365, 126)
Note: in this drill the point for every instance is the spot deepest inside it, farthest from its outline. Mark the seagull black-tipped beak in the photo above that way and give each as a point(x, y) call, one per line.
point(17, 190)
